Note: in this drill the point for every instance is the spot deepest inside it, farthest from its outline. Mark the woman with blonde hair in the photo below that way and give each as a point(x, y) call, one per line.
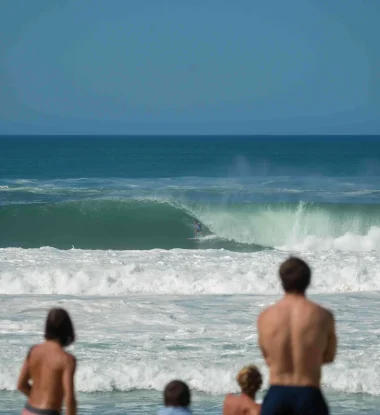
point(250, 380)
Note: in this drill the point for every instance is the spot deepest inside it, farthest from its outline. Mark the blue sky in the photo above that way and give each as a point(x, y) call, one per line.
point(189, 67)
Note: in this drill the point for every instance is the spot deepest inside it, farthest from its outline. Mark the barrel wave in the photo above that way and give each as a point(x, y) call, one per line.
point(95, 225)
point(140, 224)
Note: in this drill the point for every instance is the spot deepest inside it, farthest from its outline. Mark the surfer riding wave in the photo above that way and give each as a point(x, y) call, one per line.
point(198, 229)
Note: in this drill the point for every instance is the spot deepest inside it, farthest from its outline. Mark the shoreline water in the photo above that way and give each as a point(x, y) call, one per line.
point(203, 339)
point(193, 341)
point(142, 402)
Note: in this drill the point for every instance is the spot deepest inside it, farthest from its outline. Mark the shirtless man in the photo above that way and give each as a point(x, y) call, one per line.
point(250, 380)
point(50, 369)
point(296, 337)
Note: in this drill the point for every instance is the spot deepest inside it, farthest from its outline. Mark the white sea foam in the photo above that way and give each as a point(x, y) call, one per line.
point(86, 272)
point(217, 380)
point(349, 242)
point(142, 342)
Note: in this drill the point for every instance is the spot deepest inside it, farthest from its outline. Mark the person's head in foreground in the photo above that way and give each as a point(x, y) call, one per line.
point(250, 380)
point(296, 337)
point(59, 327)
point(50, 369)
point(295, 276)
point(177, 398)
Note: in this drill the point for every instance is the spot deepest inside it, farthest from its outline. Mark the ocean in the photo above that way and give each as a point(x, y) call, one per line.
point(101, 226)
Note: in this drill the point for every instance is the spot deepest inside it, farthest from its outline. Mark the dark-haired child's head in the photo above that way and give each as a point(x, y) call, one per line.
point(177, 393)
point(59, 327)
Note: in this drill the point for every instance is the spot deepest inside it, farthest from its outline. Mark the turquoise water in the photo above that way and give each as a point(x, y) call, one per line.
point(100, 226)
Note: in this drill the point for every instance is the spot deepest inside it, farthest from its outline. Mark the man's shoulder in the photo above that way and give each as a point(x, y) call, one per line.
point(325, 312)
point(319, 314)
point(271, 308)
point(279, 307)
point(267, 312)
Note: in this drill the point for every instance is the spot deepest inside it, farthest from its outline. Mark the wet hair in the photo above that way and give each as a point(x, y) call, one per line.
point(59, 327)
point(177, 393)
point(250, 380)
point(295, 275)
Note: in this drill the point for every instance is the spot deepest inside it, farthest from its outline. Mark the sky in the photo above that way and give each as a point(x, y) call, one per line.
point(189, 67)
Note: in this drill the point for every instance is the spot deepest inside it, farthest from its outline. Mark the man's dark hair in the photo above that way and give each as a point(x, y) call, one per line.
point(295, 275)
point(59, 327)
point(177, 393)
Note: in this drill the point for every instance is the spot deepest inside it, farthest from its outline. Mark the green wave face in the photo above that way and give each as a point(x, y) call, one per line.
point(107, 224)
point(149, 224)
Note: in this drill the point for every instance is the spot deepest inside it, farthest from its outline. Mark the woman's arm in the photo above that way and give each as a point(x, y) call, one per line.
point(68, 386)
point(23, 379)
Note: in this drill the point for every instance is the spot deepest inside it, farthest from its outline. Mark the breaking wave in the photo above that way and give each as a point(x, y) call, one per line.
point(140, 224)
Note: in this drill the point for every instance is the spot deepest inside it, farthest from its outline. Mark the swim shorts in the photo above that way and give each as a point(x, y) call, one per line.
point(294, 400)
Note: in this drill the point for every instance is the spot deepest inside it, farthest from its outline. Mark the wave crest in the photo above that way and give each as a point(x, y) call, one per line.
point(167, 224)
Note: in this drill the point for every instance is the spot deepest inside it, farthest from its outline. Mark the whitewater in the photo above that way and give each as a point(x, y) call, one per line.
point(102, 230)
point(115, 273)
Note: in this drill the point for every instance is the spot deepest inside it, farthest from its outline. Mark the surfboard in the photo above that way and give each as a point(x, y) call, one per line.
point(204, 237)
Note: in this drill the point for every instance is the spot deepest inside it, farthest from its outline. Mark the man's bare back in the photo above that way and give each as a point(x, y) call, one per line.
point(50, 369)
point(296, 337)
